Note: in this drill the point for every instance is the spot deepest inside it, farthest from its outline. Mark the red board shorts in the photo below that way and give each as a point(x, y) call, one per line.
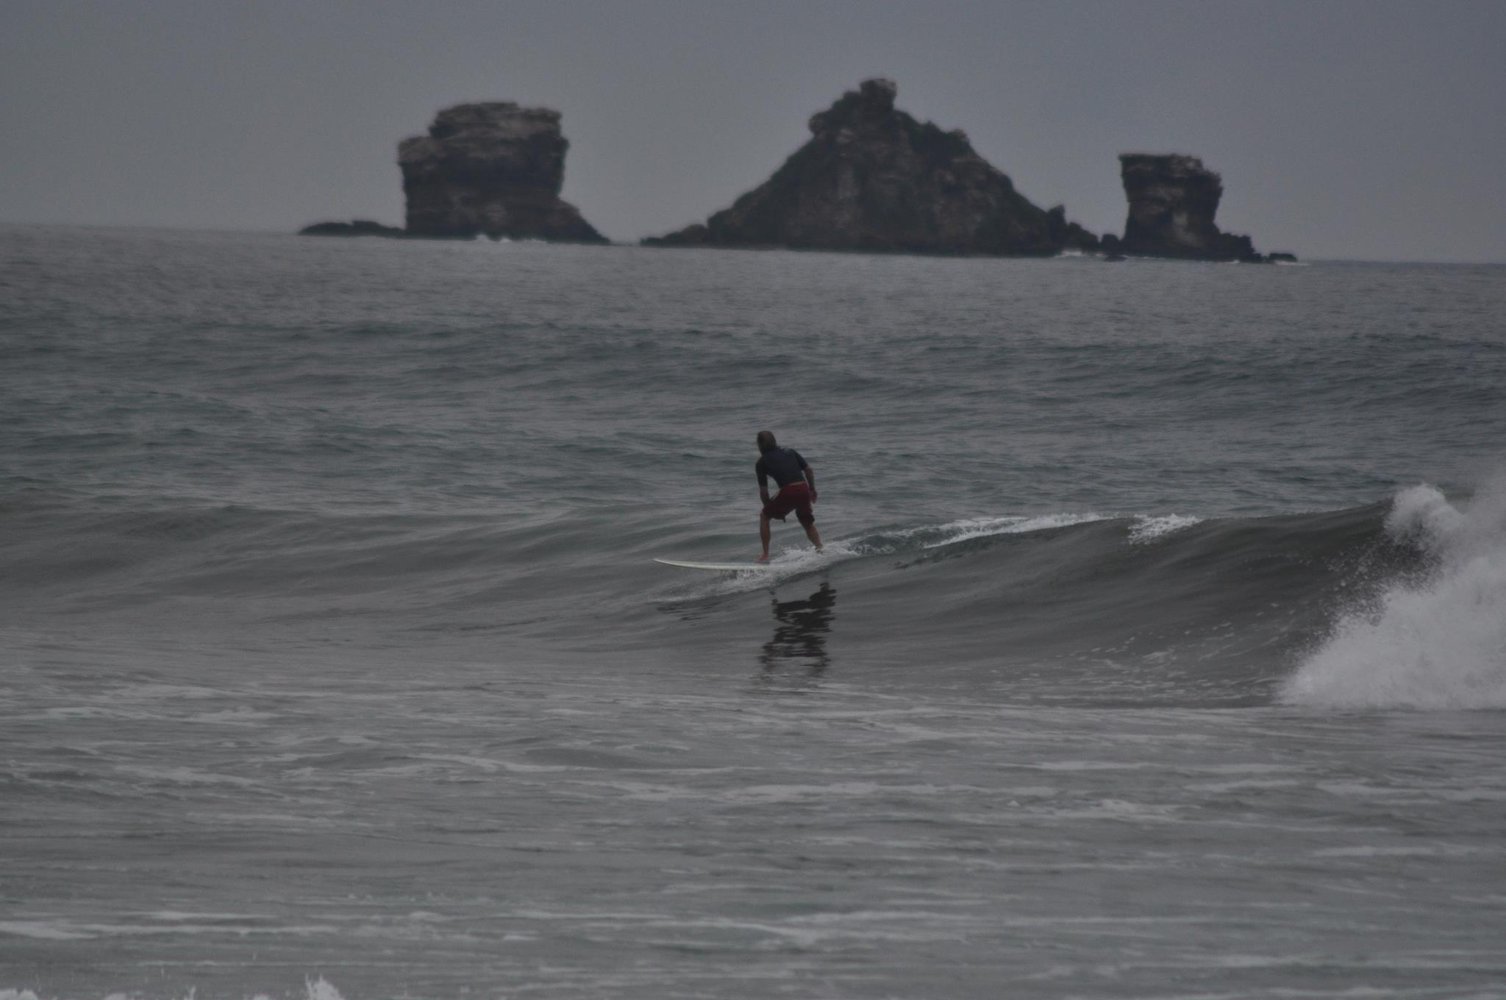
point(794, 497)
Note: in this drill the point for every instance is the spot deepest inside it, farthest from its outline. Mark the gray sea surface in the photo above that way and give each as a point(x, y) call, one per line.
point(1158, 648)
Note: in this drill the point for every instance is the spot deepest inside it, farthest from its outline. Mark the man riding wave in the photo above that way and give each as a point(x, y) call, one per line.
point(797, 490)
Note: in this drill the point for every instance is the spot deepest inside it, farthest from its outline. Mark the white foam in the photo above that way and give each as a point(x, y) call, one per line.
point(784, 565)
point(801, 559)
point(321, 989)
point(41, 930)
point(1421, 515)
point(318, 989)
point(1435, 644)
point(1148, 529)
point(985, 527)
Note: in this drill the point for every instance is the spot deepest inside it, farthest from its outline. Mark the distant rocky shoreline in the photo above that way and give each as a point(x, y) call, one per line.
point(870, 179)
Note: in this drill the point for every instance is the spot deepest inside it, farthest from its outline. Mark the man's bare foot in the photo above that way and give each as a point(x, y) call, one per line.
point(762, 559)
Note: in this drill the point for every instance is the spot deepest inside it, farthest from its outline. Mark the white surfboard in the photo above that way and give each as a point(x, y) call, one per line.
point(719, 567)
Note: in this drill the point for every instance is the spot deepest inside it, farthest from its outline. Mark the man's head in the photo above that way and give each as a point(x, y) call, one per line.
point(765, 440)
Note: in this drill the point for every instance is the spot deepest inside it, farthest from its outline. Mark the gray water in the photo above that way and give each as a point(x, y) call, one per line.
point(1158, 650)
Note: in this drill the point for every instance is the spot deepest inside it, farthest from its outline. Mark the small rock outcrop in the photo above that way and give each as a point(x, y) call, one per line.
point(1172, 202)
point(874, 179)
point(492, 169)
point(356, 227)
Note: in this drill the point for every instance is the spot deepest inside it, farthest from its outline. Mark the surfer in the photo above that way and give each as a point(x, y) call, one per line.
point(797, 490)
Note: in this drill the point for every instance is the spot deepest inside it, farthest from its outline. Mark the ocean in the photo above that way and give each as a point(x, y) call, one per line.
point(1157, 647)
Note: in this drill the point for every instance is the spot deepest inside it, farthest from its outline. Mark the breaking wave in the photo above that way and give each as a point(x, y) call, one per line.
point(1435, 639)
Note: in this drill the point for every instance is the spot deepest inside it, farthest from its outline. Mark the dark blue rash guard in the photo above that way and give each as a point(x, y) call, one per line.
point(784, 464)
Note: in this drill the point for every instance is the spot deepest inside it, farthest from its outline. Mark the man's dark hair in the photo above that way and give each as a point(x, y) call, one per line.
point(766, 440)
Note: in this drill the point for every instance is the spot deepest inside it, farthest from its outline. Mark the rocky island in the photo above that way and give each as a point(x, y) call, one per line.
point(872, 178)
point(491, 169)
point(1172, 202)
point(357, 227)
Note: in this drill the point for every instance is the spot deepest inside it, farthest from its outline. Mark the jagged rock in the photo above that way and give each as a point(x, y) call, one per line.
point(492, 169)
point(1172, 202)
point(356, 227)
point(872, 178)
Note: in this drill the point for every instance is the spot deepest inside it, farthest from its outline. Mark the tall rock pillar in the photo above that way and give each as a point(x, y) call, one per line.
point(492, 169)
point(1172, 202)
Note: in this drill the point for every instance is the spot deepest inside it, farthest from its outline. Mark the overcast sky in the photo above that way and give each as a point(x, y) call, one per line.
point(1368, 129)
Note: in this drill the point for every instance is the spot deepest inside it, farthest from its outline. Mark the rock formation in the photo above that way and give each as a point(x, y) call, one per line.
point(1172, 202)
point(356, 227)
point(493, 169)
point(874, 179)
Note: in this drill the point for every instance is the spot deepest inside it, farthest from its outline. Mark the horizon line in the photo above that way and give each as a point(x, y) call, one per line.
point(271, 231)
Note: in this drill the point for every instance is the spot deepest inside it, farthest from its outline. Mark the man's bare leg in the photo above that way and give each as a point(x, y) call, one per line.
point(813, 535)
point(763, 536)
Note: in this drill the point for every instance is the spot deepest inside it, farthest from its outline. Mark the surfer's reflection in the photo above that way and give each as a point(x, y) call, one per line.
point(800, 629)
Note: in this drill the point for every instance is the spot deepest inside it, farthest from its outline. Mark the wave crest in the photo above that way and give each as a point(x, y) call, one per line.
point(1438, 642)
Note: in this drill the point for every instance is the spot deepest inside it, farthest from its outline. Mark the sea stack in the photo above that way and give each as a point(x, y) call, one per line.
point(492, 169)
point(1172, 202)
point(872, 178)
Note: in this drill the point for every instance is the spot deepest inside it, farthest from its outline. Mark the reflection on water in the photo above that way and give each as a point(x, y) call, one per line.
point(800, 630)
